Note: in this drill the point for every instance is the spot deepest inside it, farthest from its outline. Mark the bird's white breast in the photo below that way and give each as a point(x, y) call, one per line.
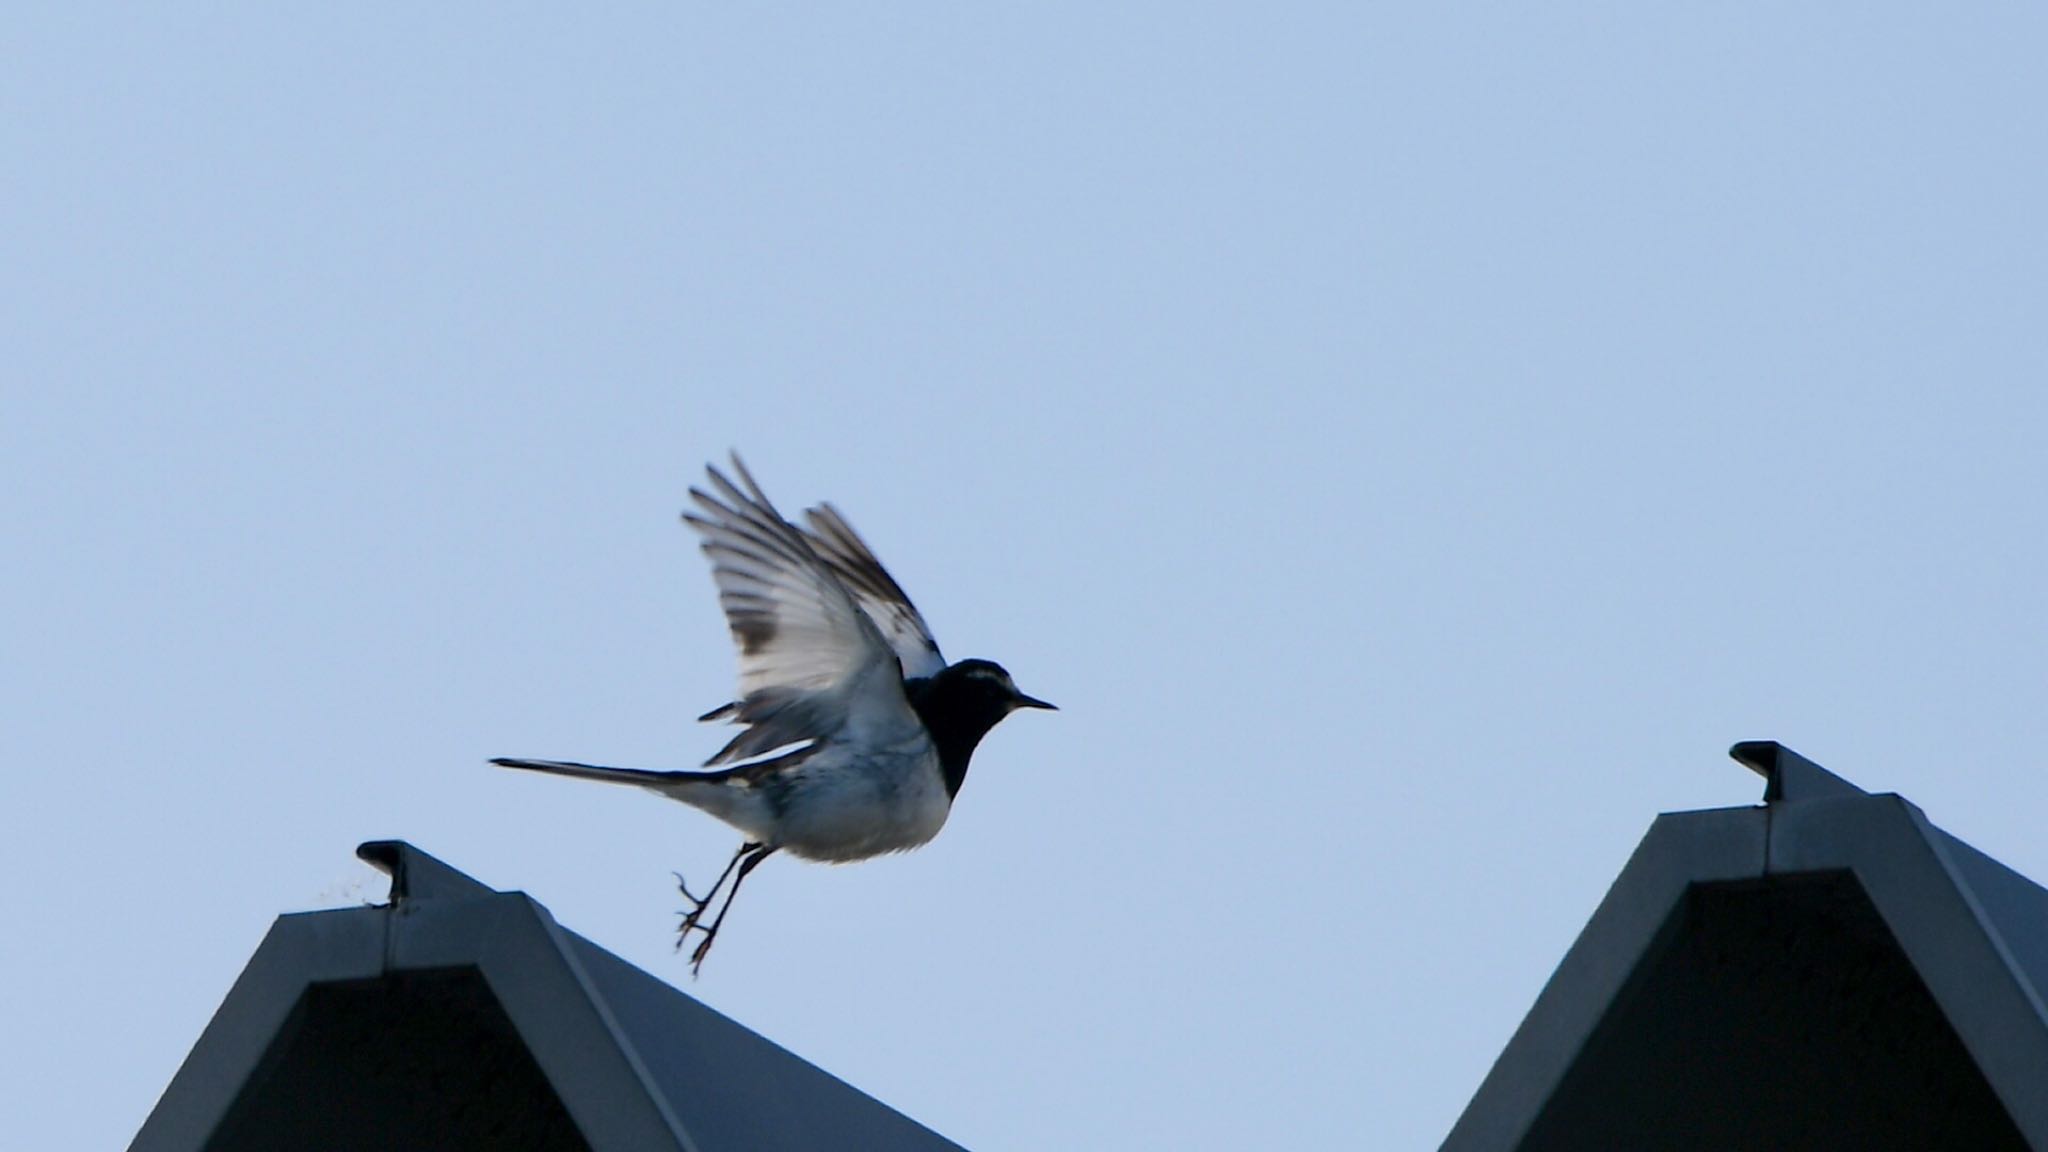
point(893, 799)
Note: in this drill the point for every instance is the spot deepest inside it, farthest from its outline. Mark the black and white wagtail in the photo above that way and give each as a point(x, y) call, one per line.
point(857, 732)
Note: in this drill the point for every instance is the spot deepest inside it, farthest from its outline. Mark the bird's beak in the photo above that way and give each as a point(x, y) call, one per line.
point(1024, 701)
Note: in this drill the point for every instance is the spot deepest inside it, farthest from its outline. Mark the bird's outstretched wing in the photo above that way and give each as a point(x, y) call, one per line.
point(813, 666)
point(875, 591)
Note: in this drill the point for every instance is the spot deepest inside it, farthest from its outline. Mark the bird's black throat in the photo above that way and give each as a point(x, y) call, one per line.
point(958, 711)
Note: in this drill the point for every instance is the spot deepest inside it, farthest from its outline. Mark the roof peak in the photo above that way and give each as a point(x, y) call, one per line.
point(1788, 776)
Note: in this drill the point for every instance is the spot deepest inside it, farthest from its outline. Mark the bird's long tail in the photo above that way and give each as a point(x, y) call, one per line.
point(640, 776)
point(744, 808)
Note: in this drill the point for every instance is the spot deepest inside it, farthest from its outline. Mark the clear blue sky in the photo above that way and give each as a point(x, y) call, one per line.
point(1410, 442)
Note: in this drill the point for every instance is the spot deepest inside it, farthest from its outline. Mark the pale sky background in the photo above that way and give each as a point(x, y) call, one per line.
point(1409, 442)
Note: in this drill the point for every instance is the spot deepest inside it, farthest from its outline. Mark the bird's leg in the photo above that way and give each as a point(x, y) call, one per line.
point(755, 853)
point(700, 904)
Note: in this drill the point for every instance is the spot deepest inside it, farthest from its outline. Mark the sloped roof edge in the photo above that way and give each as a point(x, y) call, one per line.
point(1975, 932)
point(563, 1011)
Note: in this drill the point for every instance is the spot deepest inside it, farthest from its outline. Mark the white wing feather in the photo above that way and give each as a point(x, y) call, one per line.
point(875, 590)
point(807, 653)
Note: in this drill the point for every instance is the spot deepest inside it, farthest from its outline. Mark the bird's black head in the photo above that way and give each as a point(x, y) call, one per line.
point(960, 704)
point(986, 683)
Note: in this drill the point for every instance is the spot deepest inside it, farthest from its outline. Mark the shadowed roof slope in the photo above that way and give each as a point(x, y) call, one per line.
point(460, 1017)
point(1828, 970)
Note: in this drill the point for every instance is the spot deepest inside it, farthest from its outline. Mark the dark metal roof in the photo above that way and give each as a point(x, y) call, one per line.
point(1828, 970)
point(460, 1017)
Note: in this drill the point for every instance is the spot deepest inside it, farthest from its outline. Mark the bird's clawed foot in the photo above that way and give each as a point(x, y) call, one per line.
point(744, 860)
point(702, 950)
point(697, 906)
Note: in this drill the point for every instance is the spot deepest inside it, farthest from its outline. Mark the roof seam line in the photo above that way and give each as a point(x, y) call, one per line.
point(565, 952)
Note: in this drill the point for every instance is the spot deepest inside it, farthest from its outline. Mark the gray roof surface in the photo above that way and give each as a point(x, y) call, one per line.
point(459, 1017)
point(1826, 970)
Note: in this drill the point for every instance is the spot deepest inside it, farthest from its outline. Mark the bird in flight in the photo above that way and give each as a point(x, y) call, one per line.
point(855, 732)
